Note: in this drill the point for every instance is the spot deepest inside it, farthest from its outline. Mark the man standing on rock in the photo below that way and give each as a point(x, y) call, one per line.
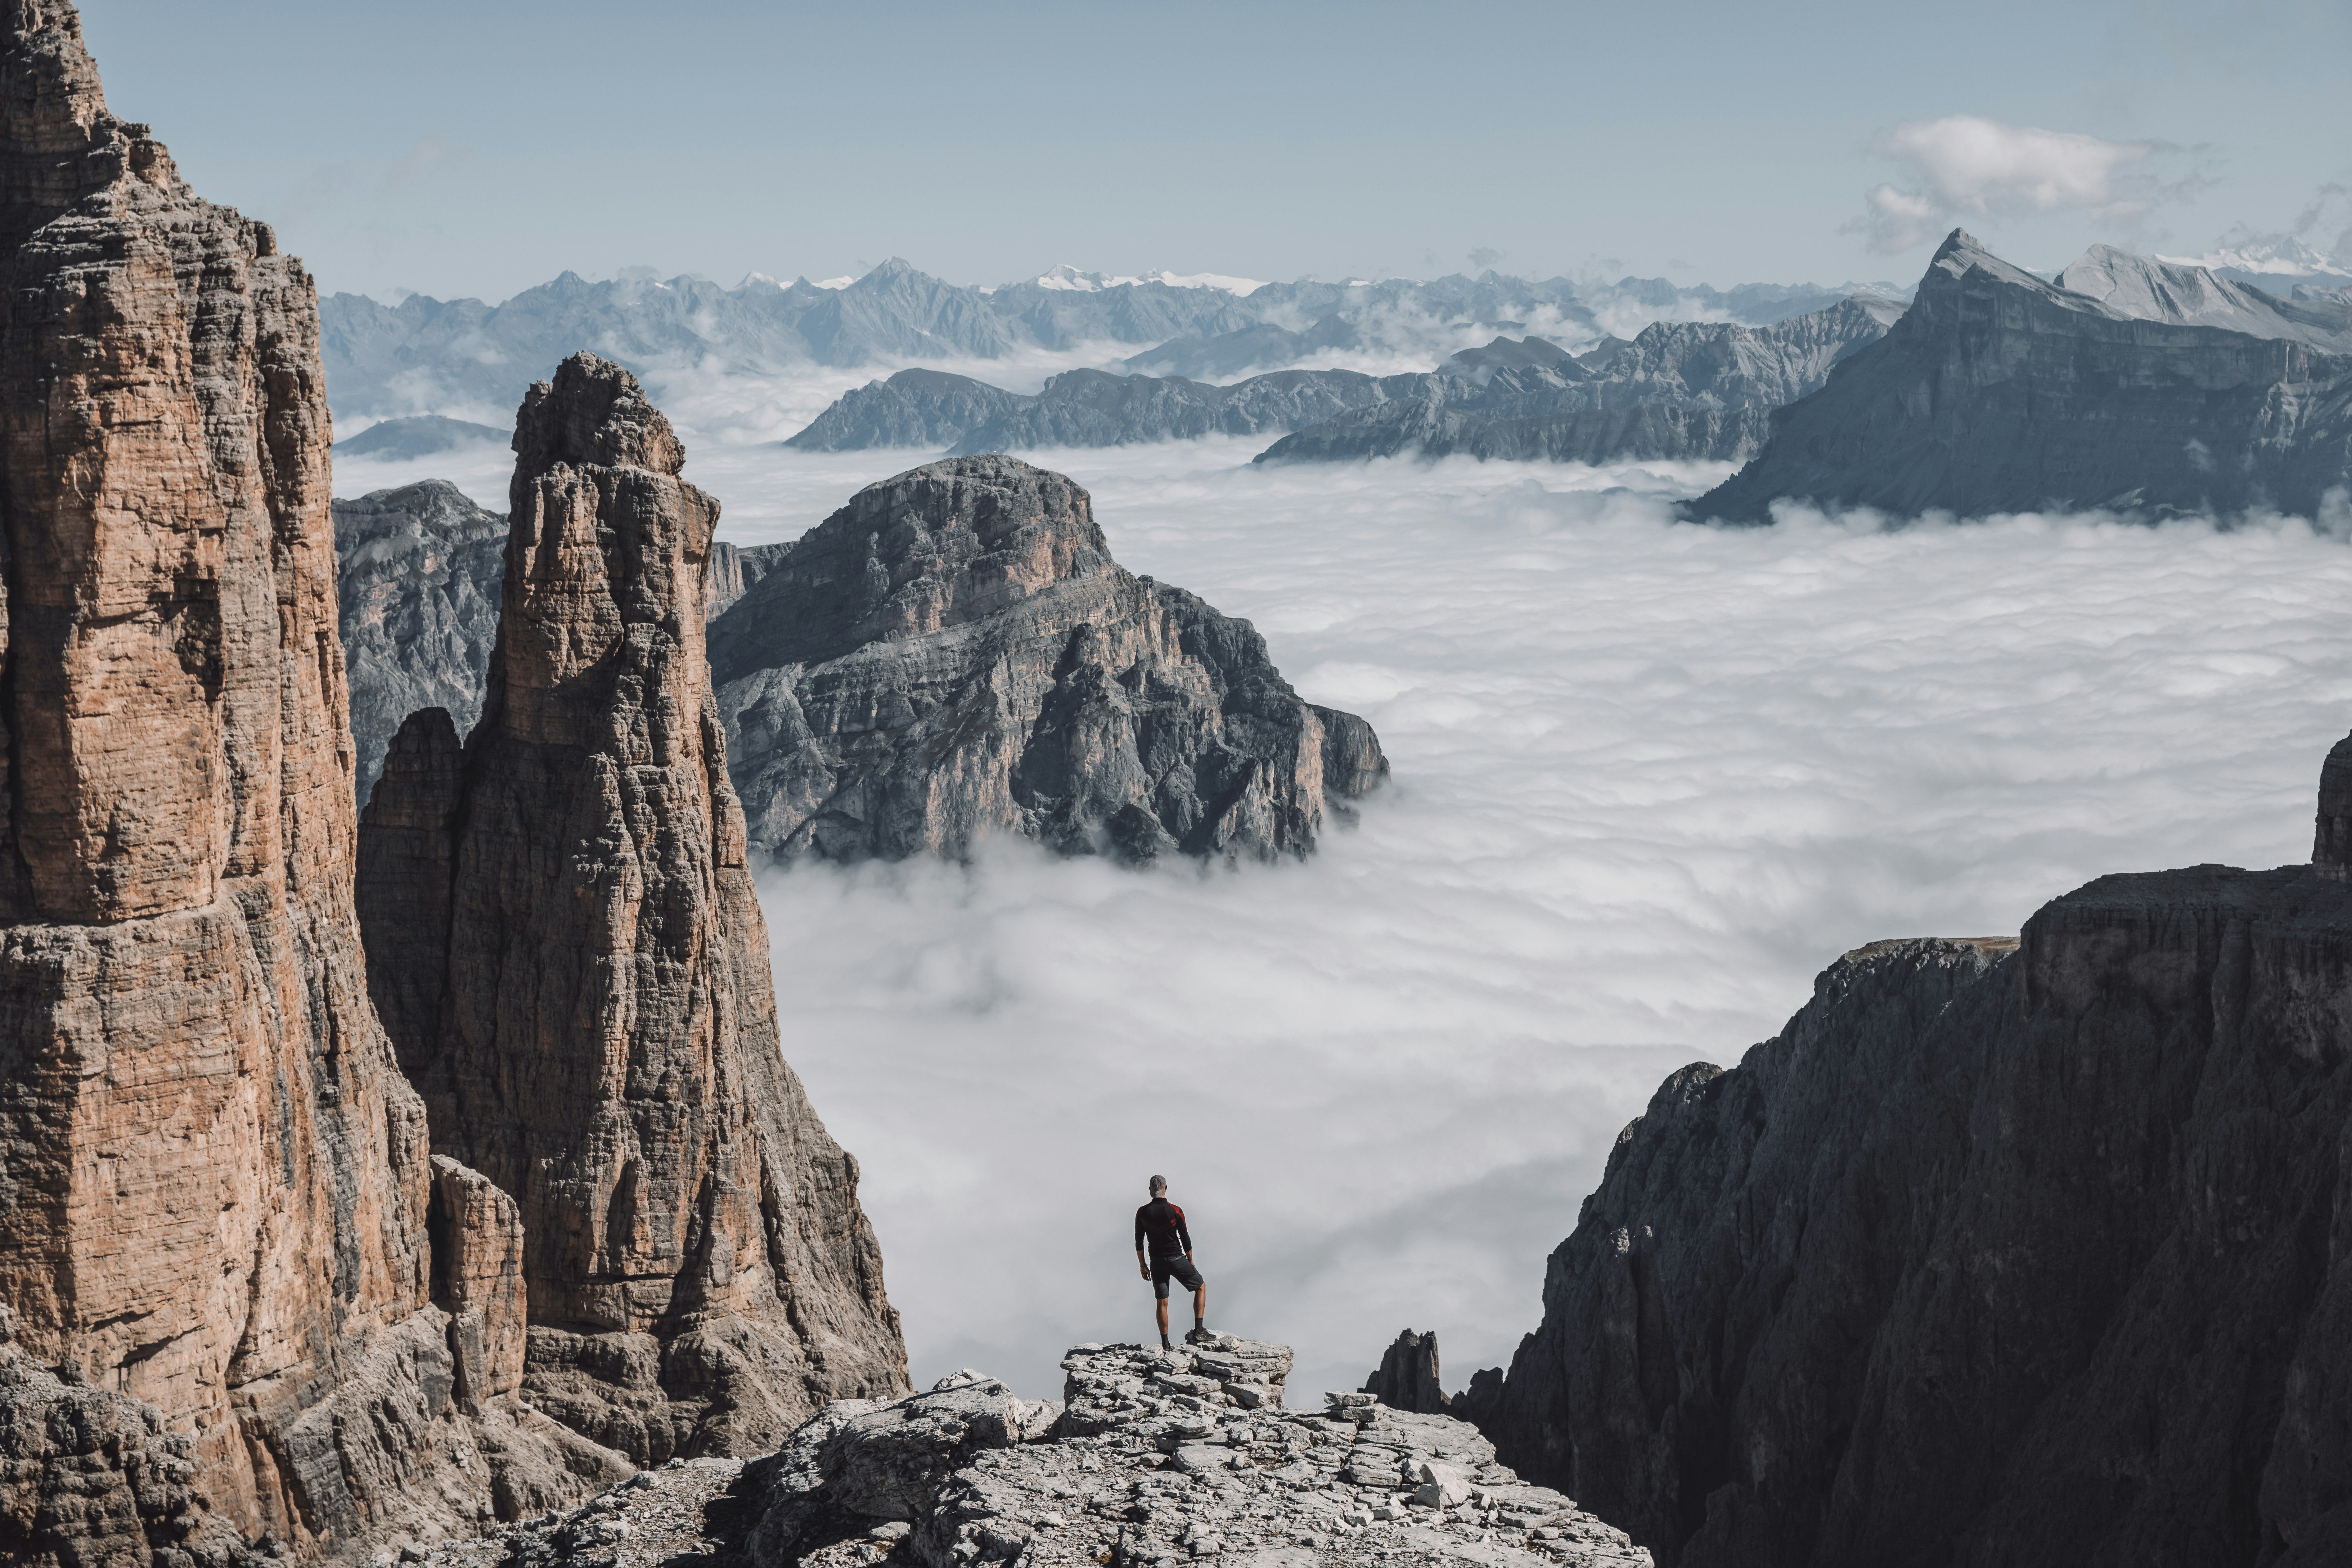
point(1160, 1225)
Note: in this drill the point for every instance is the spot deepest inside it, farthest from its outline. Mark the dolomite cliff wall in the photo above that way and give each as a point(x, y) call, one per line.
point(2030, 1253)
point(565, 945)
point(214, 1182)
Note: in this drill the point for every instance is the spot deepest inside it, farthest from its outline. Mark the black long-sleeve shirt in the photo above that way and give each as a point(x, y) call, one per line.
point(1163, 1223)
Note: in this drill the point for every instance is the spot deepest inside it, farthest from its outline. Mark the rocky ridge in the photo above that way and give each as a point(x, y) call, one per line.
point(955, 655)
point(1683, 390)
point(217, 1263)
point(2163, 391)
point(1149, 1456)
point(564, 946)
point(2028, 1251)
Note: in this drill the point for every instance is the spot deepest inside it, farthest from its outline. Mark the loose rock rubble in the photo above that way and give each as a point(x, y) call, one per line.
point(1152, 1457)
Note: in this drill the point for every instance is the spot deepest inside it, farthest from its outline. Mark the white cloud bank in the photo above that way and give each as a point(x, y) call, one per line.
point(1963, 167)
point(1650, 778)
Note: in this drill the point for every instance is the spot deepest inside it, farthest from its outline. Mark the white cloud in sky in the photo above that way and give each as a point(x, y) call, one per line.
point(1963, 166)
point(1650, 778)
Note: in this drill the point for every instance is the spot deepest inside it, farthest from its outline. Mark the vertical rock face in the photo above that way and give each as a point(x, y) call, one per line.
point(213, 1178)
point(418, 589)
point(2033, 1255)
point(602, 1040)
point(1408, 1376)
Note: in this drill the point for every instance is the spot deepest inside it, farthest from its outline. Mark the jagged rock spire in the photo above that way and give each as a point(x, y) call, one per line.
point(602, 1042)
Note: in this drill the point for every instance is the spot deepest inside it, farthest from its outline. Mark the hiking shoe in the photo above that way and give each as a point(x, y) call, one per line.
point(1164, 1344)
point(1199, 1337)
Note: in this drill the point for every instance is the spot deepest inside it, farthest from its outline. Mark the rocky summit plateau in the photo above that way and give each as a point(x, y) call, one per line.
point(1149, 1456)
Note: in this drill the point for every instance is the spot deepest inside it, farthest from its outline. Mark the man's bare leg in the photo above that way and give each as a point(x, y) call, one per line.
point(1163, 1317)
point(1201, 1305)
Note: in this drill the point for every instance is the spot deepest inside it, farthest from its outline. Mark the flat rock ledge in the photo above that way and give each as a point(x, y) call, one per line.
point(1149, 1458)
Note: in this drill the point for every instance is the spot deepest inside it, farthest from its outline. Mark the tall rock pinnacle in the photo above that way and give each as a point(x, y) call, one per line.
point(602, 1044)
point(214, 1183)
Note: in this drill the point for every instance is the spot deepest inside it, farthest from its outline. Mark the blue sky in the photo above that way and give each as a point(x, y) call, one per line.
point(478, 149)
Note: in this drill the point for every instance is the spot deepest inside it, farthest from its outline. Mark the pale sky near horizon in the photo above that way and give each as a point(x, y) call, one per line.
point(477, 149)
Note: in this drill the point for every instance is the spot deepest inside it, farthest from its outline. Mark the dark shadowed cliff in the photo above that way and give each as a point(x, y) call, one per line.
point(2030, 1253)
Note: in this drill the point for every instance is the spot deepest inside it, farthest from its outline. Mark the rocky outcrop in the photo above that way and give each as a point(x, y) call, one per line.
point(955, 655)
point(563, 937)
point(213, 1178)
point(419, 573)
point(1998, 391)
point(1407, 1377)
point(417, 587)
point(2030, 1252)
point(1151, 1456)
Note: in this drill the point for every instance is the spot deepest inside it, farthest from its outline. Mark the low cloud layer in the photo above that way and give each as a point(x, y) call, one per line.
point(1649, 779)
point(1963, 167)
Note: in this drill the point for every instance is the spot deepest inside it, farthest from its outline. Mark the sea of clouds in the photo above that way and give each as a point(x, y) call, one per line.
point(1650, 778)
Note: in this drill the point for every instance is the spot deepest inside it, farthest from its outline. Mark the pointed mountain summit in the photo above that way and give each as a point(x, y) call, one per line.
point(1998, 392)
point(602, 1042)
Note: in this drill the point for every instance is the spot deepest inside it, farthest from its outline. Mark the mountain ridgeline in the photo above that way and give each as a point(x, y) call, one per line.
point(2128, 384)
point(1697, 391)
point(464, 356)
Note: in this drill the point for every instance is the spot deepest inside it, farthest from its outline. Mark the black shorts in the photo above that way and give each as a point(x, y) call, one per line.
point(1179, 1268)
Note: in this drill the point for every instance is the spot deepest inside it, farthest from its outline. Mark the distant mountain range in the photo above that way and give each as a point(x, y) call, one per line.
point(1681, 390)
point(468, 359)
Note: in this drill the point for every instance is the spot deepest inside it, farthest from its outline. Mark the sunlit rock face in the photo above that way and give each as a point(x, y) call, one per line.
point(562, 935)
point(2026, 1251)
point(954, 655)
point(213, 1178)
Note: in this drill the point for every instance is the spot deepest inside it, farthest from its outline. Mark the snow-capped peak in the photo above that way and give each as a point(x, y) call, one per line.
point(1067, 277)
point(2286, 258)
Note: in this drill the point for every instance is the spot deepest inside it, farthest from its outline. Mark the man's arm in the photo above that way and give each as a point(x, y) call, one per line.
point(1141, 1266)
point(1183, 1233)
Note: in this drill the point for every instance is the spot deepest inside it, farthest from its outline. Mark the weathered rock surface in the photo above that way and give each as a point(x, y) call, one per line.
point(1407, 1376)
point(417, 587)
point(213, 1178)
point(1155, 1456)
point(1998, 391)
point(2030, 1253)
point(563, 939)
point(954, 654)
point(419, 573)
